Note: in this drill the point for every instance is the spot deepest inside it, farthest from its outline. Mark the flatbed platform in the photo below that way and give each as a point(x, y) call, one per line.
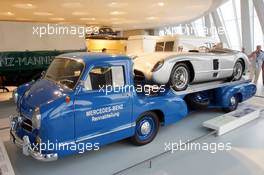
point(209, 85)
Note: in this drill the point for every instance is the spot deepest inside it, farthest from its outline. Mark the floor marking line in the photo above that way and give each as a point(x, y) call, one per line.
point(165, 152)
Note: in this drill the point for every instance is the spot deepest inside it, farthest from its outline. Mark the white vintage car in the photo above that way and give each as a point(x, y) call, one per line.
point(181, 69)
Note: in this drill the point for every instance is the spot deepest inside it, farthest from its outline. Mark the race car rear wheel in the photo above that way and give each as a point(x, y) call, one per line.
point(180, 77)
point(238, 70)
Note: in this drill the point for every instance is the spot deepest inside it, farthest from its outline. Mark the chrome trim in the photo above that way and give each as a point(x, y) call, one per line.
point(90, 136)
point(15, 95)
point(26, 124)
point(212, 71)
point(25, 143)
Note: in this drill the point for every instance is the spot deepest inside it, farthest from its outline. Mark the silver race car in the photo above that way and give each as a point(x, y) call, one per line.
point(181, 69)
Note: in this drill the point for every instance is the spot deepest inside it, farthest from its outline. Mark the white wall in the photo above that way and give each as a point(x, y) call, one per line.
point(18, 36)
point(141, 43)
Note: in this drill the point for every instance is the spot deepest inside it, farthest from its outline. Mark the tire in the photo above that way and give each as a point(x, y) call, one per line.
point(197, 101)
point(238, 71)
point(144, 135)
point(180, 77)
point(233, 103)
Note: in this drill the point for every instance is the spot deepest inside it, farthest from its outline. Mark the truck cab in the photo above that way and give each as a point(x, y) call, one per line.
point(86, 100)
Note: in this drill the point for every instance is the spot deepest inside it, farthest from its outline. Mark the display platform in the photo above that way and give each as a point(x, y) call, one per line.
point(5, 165)
point(230, 121)
point(124, 158)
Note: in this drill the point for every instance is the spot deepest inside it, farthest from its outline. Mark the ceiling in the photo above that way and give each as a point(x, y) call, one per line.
point(123, 14)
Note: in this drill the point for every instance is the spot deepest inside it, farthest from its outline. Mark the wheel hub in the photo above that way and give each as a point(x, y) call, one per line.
point(233, 101)
point(145, 128)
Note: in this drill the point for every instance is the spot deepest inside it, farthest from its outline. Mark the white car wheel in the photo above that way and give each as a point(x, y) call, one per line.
point(180, 77)
point(238, 71)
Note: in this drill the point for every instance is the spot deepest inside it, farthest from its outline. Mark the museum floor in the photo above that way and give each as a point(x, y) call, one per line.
point(246, 156)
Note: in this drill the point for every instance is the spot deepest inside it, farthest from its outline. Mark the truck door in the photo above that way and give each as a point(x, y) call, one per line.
point(102, 115)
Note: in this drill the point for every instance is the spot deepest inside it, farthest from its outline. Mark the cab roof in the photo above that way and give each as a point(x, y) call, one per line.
point(89, 57)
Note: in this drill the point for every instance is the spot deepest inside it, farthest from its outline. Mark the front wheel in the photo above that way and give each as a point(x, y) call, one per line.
point(146, 128)
point(180, 77)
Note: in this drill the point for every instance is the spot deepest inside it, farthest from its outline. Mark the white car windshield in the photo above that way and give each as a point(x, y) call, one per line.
point(65, 71)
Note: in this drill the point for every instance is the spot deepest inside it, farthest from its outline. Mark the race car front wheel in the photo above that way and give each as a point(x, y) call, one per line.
point(180, 77)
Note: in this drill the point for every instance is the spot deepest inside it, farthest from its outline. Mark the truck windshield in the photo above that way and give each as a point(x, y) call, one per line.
point(65, 71)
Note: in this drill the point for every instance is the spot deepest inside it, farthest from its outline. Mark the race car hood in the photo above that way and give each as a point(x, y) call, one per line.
point(145, 62)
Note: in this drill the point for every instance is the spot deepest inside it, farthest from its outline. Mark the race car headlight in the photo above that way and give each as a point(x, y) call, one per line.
point(157, 66)
point(15, 95)
point(36, 119)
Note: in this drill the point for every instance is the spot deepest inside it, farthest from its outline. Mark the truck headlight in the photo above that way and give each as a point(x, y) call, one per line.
point(36, 119)
point(15, 95)
point(158, 65)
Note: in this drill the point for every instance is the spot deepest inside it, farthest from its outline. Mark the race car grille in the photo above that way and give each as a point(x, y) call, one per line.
point(26, 124)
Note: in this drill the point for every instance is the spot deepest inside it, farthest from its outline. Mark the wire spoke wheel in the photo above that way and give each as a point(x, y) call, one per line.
point(238, 70)
point(180, 77)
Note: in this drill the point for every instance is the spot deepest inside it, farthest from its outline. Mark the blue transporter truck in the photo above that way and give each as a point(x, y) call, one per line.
point(85, 100)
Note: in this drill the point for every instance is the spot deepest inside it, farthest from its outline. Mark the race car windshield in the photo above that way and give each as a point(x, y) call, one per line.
point(65, 71)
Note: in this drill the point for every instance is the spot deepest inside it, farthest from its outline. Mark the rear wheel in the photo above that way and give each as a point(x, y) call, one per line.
point(233, 103)
point(146, 128)
point(238, 70)
point(180, 77)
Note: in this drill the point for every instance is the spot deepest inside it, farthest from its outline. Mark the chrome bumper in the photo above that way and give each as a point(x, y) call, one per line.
point(25, 143)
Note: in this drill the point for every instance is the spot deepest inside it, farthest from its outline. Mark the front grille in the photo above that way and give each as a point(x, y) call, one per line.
point(26, 124)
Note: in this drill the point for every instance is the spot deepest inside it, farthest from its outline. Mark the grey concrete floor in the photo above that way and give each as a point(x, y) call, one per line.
point(246, 156)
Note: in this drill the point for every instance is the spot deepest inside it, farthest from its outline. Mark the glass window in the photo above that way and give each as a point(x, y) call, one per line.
point(65, 71)
point(199, 27)
point(159, 47)
point(101, 77)
point(169, 46)
point(118, 76)
point(257, 31)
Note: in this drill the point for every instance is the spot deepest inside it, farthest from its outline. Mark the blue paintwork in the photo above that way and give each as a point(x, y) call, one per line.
point(65, 123)
point(244, 91)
